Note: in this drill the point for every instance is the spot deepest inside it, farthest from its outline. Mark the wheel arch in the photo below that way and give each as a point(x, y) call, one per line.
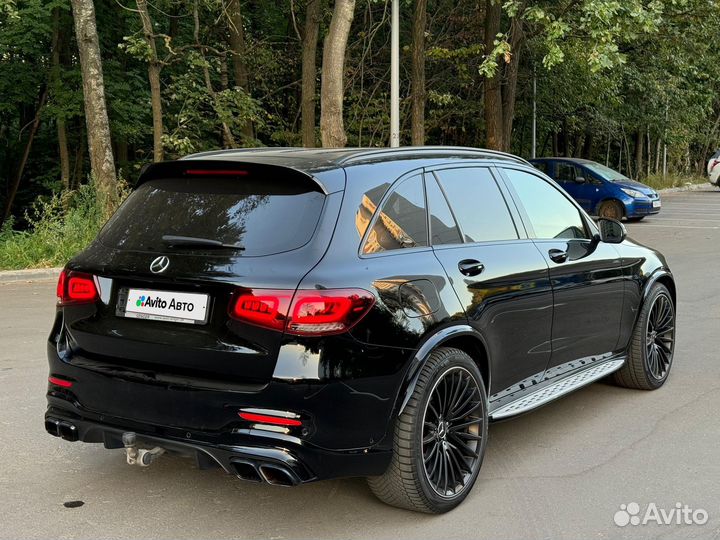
point(462, 337)
point(663, 276)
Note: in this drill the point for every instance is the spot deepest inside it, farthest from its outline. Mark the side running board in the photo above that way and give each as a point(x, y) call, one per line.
point(554, 390)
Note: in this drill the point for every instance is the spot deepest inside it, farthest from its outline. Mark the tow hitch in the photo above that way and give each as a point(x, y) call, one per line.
point(139, 456)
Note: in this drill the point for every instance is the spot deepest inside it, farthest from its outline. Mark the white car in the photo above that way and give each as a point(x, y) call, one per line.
point(713, 168)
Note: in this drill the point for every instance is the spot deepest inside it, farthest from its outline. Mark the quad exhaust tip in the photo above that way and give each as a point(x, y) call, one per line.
point(276, 475)
point(61, 428)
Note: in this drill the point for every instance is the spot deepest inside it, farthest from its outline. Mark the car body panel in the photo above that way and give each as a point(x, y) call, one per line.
point(186, 385)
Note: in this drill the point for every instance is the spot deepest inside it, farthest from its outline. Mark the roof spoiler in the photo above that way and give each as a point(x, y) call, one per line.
point(204, 168)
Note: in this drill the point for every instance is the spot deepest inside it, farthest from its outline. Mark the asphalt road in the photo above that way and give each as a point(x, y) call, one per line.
point(560, 472)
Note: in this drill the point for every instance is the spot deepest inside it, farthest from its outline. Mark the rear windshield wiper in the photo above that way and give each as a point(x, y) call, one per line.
point(191, 241)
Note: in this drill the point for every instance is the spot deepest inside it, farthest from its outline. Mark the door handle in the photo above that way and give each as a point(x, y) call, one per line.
point(558, 255)
point(470, 267)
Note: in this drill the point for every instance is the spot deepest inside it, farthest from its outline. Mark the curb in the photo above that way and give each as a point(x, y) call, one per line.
point(687, 187)
point(34, 274)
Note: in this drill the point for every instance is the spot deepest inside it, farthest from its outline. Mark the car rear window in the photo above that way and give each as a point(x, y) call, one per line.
point(264, 215)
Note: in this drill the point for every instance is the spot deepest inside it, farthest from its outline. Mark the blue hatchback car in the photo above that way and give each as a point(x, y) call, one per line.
point(600, 190)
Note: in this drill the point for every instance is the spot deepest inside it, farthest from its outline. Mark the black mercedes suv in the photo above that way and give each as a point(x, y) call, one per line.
point(292, 315)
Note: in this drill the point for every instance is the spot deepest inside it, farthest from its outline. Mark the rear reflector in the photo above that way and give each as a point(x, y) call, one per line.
point(272, 420)
point(76, 288)
point(306, 313)
point(211, 172)
point(59, 382)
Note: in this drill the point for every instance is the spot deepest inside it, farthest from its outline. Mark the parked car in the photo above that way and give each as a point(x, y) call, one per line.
point(294, 315)
point(600, 190)
point(713, 168)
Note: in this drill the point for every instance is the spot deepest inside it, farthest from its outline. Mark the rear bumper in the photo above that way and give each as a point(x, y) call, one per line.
point(346, 430)
point(247, 457)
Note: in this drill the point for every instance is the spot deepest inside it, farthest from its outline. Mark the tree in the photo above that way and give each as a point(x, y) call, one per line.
point(154, 66)
point(332, 129)
point(238, 50)
point(313, 15)
point(102, 161)
point(417, 83)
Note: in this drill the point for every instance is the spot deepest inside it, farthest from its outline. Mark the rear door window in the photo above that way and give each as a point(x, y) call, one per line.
point(402, 220)
point(264, 215)
point(478, 204)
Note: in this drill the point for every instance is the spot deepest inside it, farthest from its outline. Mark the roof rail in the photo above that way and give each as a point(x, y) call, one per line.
point(414, 150)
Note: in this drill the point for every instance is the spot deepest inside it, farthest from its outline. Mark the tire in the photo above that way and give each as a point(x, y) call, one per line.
point(611, 209)
point(422, 435)
point(652, 345)
point(636, 219)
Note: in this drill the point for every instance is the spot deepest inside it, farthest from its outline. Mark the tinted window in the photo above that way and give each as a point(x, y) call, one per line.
point(566, 172)
point(264, 215)
point(478, 204)
point(543, 166)
point(368, 205)
point(551, 214)
point(443, 229)
point(402, 221)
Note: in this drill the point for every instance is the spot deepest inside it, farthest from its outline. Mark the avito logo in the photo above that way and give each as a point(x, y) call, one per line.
point(148, 301)
point(157, 302)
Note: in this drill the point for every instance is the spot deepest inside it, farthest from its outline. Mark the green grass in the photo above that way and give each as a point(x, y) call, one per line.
point(60, 227)
point(656, 181)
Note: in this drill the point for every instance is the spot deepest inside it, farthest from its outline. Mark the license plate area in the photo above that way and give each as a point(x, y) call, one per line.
point(657, 204)
point(168, 306)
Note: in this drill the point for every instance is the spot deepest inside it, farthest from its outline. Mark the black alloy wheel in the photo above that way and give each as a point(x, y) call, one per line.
point(452, 431)
point(660, 336)
point(440, 437)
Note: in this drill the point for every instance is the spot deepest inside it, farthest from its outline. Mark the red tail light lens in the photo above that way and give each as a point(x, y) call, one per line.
point(328, 312)
point(76, 288)
point(312, 312)
point(59, 382)
point(715, 162)
point(262, 307)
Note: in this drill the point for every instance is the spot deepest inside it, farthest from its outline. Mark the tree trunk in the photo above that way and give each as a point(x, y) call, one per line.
point(313, 15)
point(510, 92)
point(658, 146)
point(154, 76)
point(493, 86)
point(639, 152)
point(23, 160)
point(238, 49)
point(56, 82)
point(417, 84)
point(332, 128)
point(98, 127)
point(588, 144)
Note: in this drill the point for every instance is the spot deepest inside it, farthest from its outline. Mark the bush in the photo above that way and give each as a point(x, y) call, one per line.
point(59, 228)
point(656, 181)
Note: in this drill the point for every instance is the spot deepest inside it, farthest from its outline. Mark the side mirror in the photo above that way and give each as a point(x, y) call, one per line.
point(611, 231)
point(580, 180)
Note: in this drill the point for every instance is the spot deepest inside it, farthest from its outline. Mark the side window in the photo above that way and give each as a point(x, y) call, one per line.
point(401, 221)
point(478, 204)
point(542, 166)
point(566, 172)
point(550, 213)
point(443, 229)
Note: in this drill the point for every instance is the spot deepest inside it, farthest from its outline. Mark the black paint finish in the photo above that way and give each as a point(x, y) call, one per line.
point(517, 312)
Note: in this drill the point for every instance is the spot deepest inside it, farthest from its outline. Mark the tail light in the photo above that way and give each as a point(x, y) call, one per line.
point(76, 288)
point(714, 164)
point(306, 313)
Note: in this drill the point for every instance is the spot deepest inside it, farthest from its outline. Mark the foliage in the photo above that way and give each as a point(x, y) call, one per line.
point(58, 228)
point(616, 80)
